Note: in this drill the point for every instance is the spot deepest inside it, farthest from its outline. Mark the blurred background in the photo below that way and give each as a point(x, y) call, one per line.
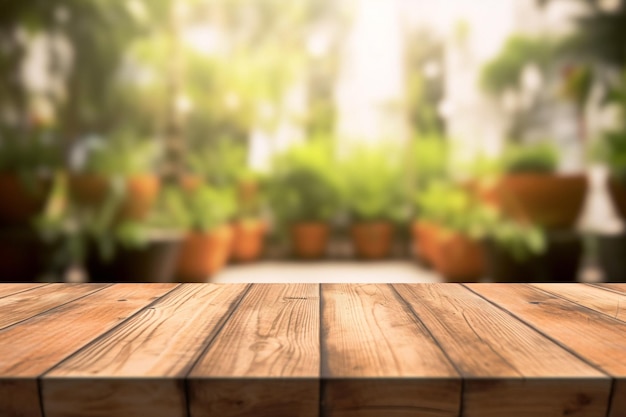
point(313, 140)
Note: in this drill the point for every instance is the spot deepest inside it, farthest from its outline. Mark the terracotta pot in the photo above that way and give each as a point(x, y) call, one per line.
point(204, 254)
point(424, 238)
point(309, 240)
point(372, 240)
point(617, 192)
point(19, 204)
point(190, 182)
point(248, 240)
point(154, 263)
point(457, 257)
point(551, 201)
point(141, 192)
point(247, 191)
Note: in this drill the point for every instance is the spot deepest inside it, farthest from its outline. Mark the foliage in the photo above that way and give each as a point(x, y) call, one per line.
point(600, 34)
point(304, 185)
point(424, 92)
point(430, 161)
point(374, 184)
point(78, 230)
point(504, 71)
point(577, 84)
point(222, 163)
point(454, 208)
point(540, 157)
point(202, 209)
point(28, 150)
point(611, 148)
point(121, 155)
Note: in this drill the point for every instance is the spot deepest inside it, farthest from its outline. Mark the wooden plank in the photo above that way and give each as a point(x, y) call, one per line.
point(7, 289)
point(266, 359)
point(596, 337)
point(621, 288)
point(108, 377)
point(509, 368)
point(24, 305)
point(596, 298)
point(30, 348)
point(379, 360)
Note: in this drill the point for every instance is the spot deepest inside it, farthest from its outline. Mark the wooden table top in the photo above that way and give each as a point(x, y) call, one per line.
point(340, 350)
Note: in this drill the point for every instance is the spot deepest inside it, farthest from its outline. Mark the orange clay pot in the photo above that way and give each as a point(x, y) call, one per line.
point(204, 254)
point(372, 240)
point(19, 204)
point(190, 182)
point(424, 237)
point(548, 200)
point(248, 240)
point(457, 257)
point(309, 240)
point(141, 191)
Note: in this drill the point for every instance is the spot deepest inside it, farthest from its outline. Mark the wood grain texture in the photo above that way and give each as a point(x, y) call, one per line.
point(621, 288)
point(379, 360)
point(7, 289)
point(266, 359)
point(26, 304)
point(600, 299)
point(35, 345)
point(160, 343)
point(503, 361)
point(596, 337)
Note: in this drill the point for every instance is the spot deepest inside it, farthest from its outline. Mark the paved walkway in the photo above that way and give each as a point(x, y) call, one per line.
point(326, 272)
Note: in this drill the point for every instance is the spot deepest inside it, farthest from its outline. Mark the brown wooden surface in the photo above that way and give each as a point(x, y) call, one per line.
point(611, 303)
point(486, 343)
point(29, 349)
point(368, 332)
point(266, 359)
point(26, 304)
point(336, 350)
point(597, 338)
point(13, 288)
point(160, 342)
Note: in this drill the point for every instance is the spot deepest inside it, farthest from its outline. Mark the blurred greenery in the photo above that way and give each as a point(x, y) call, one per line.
point(542, 157)
point(304, 185)
point(456, 209)
point(29, 150)
point(425, 91)
point(374, 184)
point(505, 70)
point(430, 159)
point(123, 154)
point(202, 209)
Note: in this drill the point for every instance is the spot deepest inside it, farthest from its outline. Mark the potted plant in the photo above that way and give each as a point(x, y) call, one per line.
point(111, 250)
point(224, 164)
point(206, 213)
point(429, 166)
point(610, 150)
point(120, 165)
point(28, 159)
point(249, 227)
point(513, 250)
point(452, 242)
point(375, 200)
point(530, 189)
point(304, 195)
